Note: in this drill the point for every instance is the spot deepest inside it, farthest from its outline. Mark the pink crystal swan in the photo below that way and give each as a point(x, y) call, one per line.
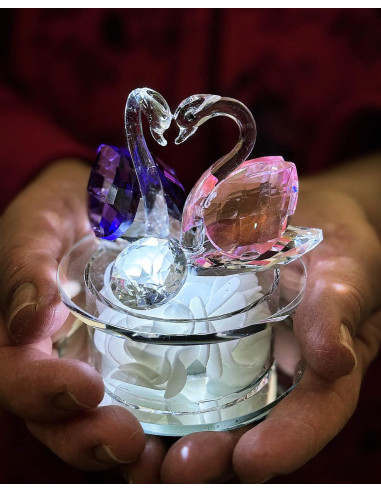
point(237, 213)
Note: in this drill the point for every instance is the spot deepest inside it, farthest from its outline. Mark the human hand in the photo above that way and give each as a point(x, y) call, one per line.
point(338, 329)
point(57, 398)
point(287, 438)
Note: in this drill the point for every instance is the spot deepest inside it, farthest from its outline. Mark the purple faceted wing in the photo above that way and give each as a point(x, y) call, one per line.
point(113, 193)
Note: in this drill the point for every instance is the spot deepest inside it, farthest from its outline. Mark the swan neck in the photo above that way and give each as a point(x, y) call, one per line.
point(247, 135)
point(193, 233)
point(155, 206)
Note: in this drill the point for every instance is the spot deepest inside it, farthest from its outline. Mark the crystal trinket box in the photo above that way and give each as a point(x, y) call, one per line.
point(187, 301)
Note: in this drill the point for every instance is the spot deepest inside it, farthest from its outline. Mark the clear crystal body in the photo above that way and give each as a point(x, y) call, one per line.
point(152, 104)
point(148, 273)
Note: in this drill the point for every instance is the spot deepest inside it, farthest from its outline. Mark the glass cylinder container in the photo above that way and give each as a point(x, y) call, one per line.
point(209, 359)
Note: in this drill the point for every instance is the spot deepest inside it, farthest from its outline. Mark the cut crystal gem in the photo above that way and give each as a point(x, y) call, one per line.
point(148, 273)
point(247, 213)
point(114, 192)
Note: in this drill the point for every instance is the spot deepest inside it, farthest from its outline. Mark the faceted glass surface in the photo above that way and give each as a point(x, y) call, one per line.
point(246, 213)
point(114, 192)
point(294, 243)
point(148, 273)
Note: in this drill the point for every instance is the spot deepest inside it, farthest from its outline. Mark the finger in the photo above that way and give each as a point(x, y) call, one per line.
point(202, 457)
point(294, 432)
point(337, 300)
point(35, 387)
point(147, 468)
point(96, 439)
point(306, 420)
point(39, 226)
point(343, 279)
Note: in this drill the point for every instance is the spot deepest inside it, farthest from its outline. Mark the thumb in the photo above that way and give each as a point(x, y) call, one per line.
point(36, 230)
point(337, 301)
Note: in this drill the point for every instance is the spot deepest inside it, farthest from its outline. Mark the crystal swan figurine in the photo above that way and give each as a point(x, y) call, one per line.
point(237, 213)
point(120, 180)
point(235, 217)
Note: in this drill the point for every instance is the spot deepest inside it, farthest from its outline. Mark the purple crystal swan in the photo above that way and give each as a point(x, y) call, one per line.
point(119, 179)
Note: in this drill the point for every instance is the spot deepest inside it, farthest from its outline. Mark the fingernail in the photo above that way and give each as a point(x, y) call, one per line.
point(25, 295)
point(67, 401)
point(347, 341)
point(103, 455)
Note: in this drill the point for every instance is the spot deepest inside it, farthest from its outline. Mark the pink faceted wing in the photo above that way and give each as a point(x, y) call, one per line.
point(247, 212)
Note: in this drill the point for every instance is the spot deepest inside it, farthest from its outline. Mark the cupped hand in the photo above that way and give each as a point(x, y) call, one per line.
point(338, 327)
point(57, 398)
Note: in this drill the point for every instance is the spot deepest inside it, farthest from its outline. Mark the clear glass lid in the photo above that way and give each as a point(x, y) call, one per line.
point(207, 309)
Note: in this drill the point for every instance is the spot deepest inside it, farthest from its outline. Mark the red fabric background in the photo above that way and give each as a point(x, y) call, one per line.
point(312, 79)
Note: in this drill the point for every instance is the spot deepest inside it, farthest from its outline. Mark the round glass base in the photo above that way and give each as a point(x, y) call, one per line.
point(251, 407)
point(180, 417)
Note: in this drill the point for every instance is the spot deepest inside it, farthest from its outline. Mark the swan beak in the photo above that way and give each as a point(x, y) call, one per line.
point(158, 136)
point(184, 134)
